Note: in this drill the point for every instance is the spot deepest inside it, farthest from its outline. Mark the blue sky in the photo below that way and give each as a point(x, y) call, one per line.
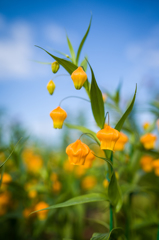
point(123, 44)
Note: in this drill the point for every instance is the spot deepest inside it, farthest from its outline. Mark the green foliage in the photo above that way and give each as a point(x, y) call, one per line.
point(126, 114)
point(97, 101)
point(114, 235)
point(114, 192)
point(73, 58)
point(92, 197)
point(82, 42)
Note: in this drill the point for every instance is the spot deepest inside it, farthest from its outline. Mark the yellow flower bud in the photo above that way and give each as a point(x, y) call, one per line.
point(58, 116)
point(51, 87)
point(55, 67)
point(146, 125)
point(79, 77)
point(148, 140)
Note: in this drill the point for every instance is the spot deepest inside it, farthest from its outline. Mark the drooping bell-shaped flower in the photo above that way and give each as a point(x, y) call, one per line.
point(123, 139)
point(148, 140)
point(79, 77)
point(155, 165)
point(77, 152)
point(108, 137)
point(58, 116)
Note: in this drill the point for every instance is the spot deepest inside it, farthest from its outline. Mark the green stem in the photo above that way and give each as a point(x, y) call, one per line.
point(111, 207)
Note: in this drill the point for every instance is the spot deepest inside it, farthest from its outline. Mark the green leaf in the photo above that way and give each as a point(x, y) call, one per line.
point(117, 94)
point(104, 224)
point(97, 103)
point(69, 66)
point(92, 197)
point(82, 42)
point(114, 234)
point(64, 54)
point(84, 63)
point(71, 50)
point(125, 115)
point(84, 130)
point(107, 160)
point(114, 192)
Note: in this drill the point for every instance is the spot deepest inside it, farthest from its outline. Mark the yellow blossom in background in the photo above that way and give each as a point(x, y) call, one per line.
point(79, 171)
point(105, 183)
point(32, 193)
point(148, 140)
point(54, 177)
point(89, 182)
point(155, 165)
point(77, 152)
point(67, 166)
point(5, 199)
point(26, 212)
point(79, 77)
point(33, 162)
point(6, 179)
point(89, 160)
point(104, 96)
point(108, 137)
point(146, 163)
point(146, 125)
point(117, 175)
point(120, 144)
point(42, 215)
point(58, 116)
point(56, 186)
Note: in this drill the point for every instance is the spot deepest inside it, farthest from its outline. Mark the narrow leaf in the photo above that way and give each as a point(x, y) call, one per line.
point(84, 63)
point(84, 130)
point(45, 63)
point(69, 66)
point(92, 197)
point(97, 103)
point(82, 42)
point(125, 115)
point(114, 234)
point(113, 191)
point(71, 50)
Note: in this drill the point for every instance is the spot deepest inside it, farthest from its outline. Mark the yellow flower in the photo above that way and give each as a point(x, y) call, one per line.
point(79, 171)
point(79, 77)
point(6, 178)
point(155, 165)
point(123, 139)
point(89, 182)
point(32, 193)
point(89, 160)
point(51, 87)
point(146, 125)
point(56, 186)
point(148, 140)
point(58, 116)
point(68, 166)
point(42, 215)
point(26, 212)
point(77, 152)
point(54, 177)
point(146, 163)
point(108, 137)
point(55, 67)
point(105, 183)
point(104, 96)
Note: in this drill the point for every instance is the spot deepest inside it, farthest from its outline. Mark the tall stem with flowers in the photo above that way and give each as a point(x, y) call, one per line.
point(80, 153)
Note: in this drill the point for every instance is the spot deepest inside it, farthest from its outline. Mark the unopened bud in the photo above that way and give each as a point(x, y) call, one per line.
point(51, 87)
point(55, 67)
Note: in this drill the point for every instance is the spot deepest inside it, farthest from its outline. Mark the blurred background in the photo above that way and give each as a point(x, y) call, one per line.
point(123, 49)
point(122, 46)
